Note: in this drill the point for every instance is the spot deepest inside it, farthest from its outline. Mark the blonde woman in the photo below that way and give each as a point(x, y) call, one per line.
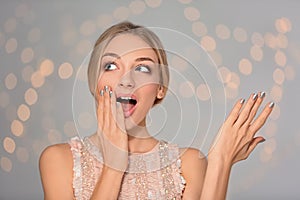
point(128, 74)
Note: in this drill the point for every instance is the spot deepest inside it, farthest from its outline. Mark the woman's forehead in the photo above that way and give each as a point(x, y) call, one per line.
point(125, 44)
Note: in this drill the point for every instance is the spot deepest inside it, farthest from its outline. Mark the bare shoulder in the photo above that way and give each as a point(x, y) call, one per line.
point(56, 170)
point(193, 169)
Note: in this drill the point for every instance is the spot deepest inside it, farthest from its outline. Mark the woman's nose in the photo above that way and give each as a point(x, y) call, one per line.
point(127, 80)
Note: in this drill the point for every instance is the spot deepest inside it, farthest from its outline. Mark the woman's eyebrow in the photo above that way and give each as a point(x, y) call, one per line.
point(111, 55)
point(144, 59)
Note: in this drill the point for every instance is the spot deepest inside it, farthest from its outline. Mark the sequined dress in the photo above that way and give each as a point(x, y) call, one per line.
point(152, 175)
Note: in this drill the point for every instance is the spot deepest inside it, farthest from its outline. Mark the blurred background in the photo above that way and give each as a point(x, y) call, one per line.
point(250, 46)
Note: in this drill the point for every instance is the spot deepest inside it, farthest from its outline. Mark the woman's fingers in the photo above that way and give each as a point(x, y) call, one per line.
point(244, 114)
point(261, 119)
point(235, 112)
point(99, 96)
point(107, 108)
point(255, 107)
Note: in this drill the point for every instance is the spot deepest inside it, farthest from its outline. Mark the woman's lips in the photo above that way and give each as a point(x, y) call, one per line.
point(128, 102)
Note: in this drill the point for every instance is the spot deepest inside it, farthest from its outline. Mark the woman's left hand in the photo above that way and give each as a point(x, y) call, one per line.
point(236, 138)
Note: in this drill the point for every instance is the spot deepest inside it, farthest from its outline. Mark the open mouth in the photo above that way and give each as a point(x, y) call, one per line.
point(128, 104)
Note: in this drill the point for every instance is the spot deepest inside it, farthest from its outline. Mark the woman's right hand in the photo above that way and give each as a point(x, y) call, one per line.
point(112, 136)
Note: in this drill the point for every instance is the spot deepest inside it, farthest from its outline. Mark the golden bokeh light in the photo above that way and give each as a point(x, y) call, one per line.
point(280, 58)
point(10, 25)
point(17, 128)
point(23, 112)
point(283, 25)
point(31, 96)
point(27, 73)
point(121, 13)
point(202, 92)
point(223, 32)
point(282, 41)
point(27, 55)
point(270, 40)
point(6, 164)
point(271, 128)
point(216, 57)
point(224, 74)
point(9, 145)
point(83, 47)
point(256, 53)
point(289, 72)
point(240, 34)
point(11, 45)
point(265, 157)
point(34, 35)
point(70, 129)
point(179, 63)
point(10, 81)
point(4, 99)
point(153, 3)
point(245, 66)
point(104, 20)
point(88, 28)
point(137, 7)
point(191, 13)
point(278, 76)
point(37, 79)
point(46, 67)
point(199, 29)
point(270, 146)
point(257, 39)
point(186, 89)
point(208, 43)
point(85, 120)
point(22, 154)
point(276, 93)
point(65, 70)
point(54, 136)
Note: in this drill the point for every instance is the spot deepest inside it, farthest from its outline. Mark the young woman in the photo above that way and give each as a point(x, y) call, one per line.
point(128, 74)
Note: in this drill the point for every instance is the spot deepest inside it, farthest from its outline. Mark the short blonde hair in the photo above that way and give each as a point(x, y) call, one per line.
point(122, 28)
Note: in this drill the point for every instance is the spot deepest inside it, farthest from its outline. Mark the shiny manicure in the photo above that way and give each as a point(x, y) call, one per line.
point(271, 105)
point(262, 94)
point(106, 89)
point(254, 96)
point(101, 92)
point(110, 93)
point(242, 101)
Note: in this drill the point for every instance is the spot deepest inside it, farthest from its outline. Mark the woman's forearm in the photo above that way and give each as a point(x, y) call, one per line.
point(108, 185)
point(216, 180)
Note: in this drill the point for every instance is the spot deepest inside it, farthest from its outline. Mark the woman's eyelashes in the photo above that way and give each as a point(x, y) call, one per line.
point(110, 66)
point(143, 68)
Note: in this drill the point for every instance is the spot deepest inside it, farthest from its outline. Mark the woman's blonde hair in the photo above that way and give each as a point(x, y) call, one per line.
point(127, 28)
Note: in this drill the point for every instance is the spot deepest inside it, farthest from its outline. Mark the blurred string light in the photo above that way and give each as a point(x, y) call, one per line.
point(20, 115)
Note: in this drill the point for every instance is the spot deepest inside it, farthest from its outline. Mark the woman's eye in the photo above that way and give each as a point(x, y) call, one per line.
point(110, 67)
point(143, 68)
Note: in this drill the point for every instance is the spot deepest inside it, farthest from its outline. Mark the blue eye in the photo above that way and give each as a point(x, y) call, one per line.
point(110, 67)
point(143, 68)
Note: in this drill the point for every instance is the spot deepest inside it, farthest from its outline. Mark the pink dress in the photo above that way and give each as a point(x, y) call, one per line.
point(152, 175)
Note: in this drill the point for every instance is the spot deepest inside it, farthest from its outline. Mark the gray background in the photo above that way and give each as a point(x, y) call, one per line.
point(64, 32)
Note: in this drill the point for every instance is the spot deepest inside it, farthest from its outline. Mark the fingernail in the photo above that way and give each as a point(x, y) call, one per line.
point(262, 140)
point(110, 93)
point(254, 96)
point(271, 105)
point(242, 101)
point(106, 89)
point(101, 92)
point(262, 94)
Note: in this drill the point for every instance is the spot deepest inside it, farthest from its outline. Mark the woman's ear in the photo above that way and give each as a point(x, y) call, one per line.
point(160, 92)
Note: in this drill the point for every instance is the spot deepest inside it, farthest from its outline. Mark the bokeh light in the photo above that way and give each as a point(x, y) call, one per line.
point(199, 28)
point(276, 93)
point(27, 73)
point(46, 67)
point(9, 145)
point(11, 45)
point(23, 112)
point(280, 58)
point(257, 39)
point(245, 66)
point(153, 3)
point(289, 72)
point(278, 76)
point(223, 32)
point(256, 53)
point(31, 96)
point(65, 70)
point(240, 34)
point(121, 13)
point(11, 81)
point(17, 128)
point(191, 13)
point(37, 79)
point(27, 55)
point(202, 92)
point(224, 74)
point(137, 7)
point(283, 25)
point(6, 164)
point(208, 43)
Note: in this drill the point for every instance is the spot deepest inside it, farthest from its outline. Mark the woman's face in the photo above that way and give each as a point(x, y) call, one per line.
point(129, 66)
